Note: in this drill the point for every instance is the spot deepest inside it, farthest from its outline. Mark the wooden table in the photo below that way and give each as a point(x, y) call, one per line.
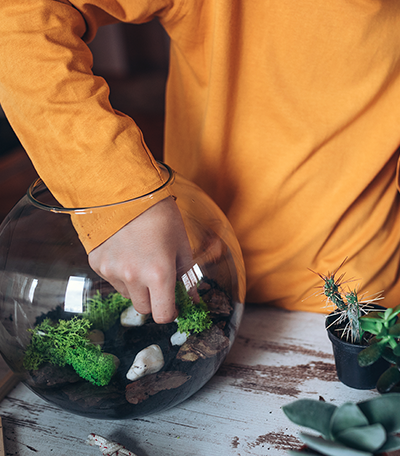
point(278, 357)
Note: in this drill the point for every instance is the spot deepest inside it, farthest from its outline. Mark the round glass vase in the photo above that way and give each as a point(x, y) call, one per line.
point(65, 331)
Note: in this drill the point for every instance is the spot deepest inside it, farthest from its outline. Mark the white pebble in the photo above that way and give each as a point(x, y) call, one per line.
point(131, 317)
point(178, 338)
point(148, 361)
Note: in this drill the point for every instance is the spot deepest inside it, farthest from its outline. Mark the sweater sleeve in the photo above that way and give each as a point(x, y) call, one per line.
point(87, 153)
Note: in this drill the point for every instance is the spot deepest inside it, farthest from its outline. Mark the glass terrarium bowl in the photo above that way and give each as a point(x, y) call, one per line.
point(77, 343)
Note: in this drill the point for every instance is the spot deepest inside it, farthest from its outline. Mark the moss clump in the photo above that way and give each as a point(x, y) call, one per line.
point(193, 317)
point(103, 312)
point(92, 365)
point(66, 342)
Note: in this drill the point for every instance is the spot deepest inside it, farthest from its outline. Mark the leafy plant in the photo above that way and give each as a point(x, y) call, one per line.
point(363, 429)
point(66, 342)
point(383, 325)
point(103, 312)
point(193, 317)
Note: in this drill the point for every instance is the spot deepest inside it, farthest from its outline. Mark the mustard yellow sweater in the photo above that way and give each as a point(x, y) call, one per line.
point(286, 113)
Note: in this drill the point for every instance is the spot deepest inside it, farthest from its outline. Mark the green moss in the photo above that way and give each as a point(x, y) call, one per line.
point(50, 342)
point(103, 312)
point(193, 317)
point(91, 364)
point(66, 342)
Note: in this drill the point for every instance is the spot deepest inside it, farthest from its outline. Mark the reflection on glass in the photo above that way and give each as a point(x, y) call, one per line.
point(74, 294)
point(192, 277)
point(32, 289)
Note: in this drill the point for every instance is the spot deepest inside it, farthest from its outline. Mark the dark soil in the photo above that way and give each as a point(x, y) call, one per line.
point(187, 368)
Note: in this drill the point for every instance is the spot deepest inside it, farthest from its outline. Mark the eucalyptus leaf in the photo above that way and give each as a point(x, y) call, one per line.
point(370, 354)
point(392, 443)
point(347, 416)
point(384, 409)
point(310, 413)
point(329, 448)
point(389, 379)
point(366, 438)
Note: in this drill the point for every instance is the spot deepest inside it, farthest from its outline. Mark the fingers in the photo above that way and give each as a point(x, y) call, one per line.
point(162, 298)
point(140, 298)
point(151, 289)
point(140, 261)
point(129, 285)
point(155, 292)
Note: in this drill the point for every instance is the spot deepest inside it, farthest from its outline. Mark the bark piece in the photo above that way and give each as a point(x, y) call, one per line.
point(204, 345)
point(150, 385)
point(50, 376)
point(218, 303)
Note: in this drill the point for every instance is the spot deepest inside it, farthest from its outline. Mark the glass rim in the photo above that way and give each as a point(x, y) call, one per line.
point(59, 209)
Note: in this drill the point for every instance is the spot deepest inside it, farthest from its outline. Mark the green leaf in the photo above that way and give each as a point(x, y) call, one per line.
point(370, 354)
point(384, 410)
point(388, 380)
point(392, 443)
point(396, 350)
point(347, 416)
point(369, 325)
point(396, 311)
point(365, 438)
point(395, 330)
point(329, 448)
point(310, 413)
point(388, 355)
point(377, 315)
point(383, 334)
point(387, 313)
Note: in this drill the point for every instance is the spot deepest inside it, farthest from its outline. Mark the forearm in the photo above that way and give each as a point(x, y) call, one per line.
point(86, 153)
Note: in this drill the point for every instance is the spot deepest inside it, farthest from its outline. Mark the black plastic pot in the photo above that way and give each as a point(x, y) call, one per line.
point(347, 368)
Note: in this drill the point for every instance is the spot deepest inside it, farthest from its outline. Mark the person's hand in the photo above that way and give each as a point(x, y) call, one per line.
point(141, 259)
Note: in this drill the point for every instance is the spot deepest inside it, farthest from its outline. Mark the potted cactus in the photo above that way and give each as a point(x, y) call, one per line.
point(363, 429)
point(347, 334)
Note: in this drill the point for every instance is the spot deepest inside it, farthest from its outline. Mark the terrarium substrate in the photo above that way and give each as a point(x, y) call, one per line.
point(184, 370)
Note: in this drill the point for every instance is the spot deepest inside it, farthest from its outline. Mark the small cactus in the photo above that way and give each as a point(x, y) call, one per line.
point(349, 307)
point(363, 429)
